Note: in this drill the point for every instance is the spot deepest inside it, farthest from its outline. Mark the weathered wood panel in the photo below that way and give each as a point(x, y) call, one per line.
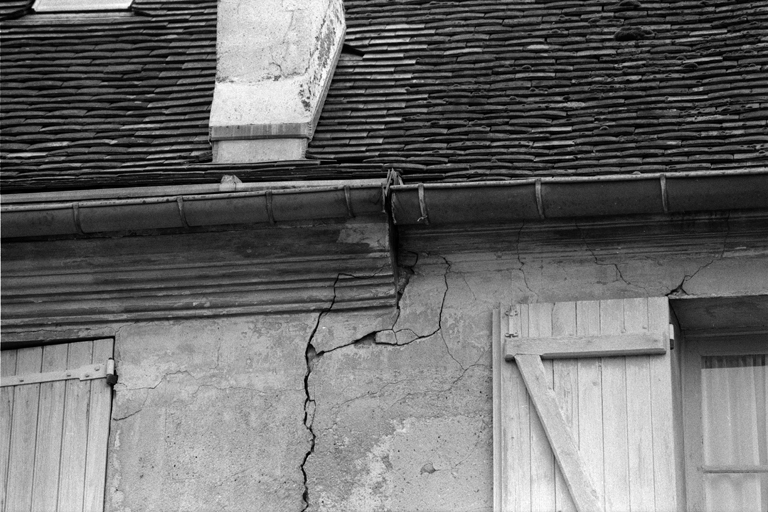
point(591, 400)
point(566, 385)
point(558, 433)
point(98, 433)
point(49, 424)
point(23, 433)
point(571, 347)
point(542, 459)
point(515, 414)
point(7, 368)
point(54, 434)
point(639, 414)
point(615, 448)
point(75, 432)
point(619, 409)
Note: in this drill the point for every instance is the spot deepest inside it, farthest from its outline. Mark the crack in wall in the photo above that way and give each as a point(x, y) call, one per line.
point(615, 266)
point(438, 391)
point(520, 260)
point(679, 290)
point(311, 353)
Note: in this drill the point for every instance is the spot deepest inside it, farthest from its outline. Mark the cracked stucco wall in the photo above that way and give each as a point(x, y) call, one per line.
point(373, 410)
point(205, 415)
point(402, 409)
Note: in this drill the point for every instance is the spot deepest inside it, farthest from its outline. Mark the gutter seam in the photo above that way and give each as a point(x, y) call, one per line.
point(76, 218)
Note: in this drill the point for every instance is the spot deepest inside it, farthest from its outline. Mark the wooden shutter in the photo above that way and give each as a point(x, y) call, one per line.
point(54, 427)
point(584, 417)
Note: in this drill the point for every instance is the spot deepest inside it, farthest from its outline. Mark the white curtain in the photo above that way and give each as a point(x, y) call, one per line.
point(734, 396)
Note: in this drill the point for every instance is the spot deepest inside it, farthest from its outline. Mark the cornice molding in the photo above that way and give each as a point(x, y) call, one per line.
point(249, 272)
point(669, 235)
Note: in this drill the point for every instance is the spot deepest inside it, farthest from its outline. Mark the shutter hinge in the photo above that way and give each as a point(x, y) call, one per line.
point(513, 315)
point(87, 372)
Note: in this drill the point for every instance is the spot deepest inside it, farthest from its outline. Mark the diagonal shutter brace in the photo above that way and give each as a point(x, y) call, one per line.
point(87, 372)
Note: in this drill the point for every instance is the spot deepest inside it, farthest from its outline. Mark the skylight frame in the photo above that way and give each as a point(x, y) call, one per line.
point(74, 6)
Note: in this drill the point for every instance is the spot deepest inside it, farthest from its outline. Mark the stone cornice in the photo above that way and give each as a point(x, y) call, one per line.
point(269, 270)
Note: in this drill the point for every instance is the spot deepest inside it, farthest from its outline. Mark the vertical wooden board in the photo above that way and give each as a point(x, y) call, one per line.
point(615, 448)
point(639, 433)
point(7, 368)
point(542, 458)
point(75, 432)
point(558, 433)
point(590, 423)
point(98, 432)
point(496, 363)
point(666, 417)
point(516, 446)
point(566, 388)
point(517, 438)
point(49, 423)
point(23, 432)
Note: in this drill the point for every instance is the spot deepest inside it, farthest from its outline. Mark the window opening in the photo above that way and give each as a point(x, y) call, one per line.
point(53, 6)
point(726, 399)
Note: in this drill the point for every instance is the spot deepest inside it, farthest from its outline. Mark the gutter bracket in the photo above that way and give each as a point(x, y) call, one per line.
point(76, 218)
point(539, 199)
point(182, 216)
point(423, 206)
point(664, 199)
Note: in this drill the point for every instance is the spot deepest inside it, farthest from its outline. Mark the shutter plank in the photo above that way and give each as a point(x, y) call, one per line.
point(516, 444)
point(542, 458)
point(516, 440)
point(574, 472)
point(50, 420)
point(23, 433)
point(618, 409)
point(7, 368)
point(639, 434)
point(496, 363)
point(566, 386)
point(98, 432)
point(75, 432)
point(570, 347)
point(614, 413)
point(591, 399)
point(665, 416)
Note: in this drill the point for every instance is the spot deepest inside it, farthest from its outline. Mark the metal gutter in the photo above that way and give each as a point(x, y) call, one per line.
point(568, 197)
point(81, 212)
point(134, 209)
point(232, 185)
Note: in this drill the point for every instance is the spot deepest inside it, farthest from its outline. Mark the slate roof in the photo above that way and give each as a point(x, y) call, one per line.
point(477, 88)
point(470, 89)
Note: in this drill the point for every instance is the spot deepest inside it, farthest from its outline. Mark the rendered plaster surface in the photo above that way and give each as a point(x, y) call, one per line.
point(380, 408)
point(402, 417)
point(207, 415)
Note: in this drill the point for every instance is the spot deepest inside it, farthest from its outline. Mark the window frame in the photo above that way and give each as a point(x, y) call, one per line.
point(79, 6)
point(694, 348)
